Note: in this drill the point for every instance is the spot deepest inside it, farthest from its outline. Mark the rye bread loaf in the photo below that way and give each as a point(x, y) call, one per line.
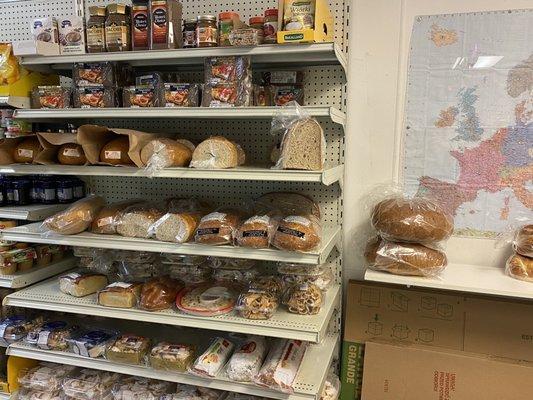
point(165, 153)
point(411, 220)
point(105, 222)
point(176, 227)
point(303, 146)
point(215, 152)
point(298, 233)
point(258, 231)
point(218, 227)
point(404, 258)
point(136, 220)
point(520, 267)
point(77, 218)
point(523, 241)
point(289, 203)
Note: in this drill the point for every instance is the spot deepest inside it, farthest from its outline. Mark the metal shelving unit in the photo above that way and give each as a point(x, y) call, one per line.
point(33, 233)
point(37, 274)
point(34, 212)
point(308, 386)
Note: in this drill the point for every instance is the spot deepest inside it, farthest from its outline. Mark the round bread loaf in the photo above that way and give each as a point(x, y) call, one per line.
point(241, 155)
point(136, 220)
point(405, 258)
point(105, 222)
point(165, 153)
point(71, 154)
point(27, 150)
point(523, 243)
point(187, 143)
point(411, 220)
point(520, 267)
point(297, 233)
point(115, 152)
point(176, 227)
point(289, 203)
point(371, 250)
point(257, 232)
point(77, 218)
point(217, 228)
point(159, 294)
point(215, 152)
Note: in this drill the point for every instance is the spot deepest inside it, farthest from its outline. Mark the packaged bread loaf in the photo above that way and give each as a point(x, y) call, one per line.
point(71, 154)
point(217, 227)
point(165, 153)
point(416, 220)
point(523, 241)
point(120, 295)
point(520, 267)
point(92, 342)
point(289, 203)
point(404, 258)
point(247, 359)
point(176, 227)
point(106, 221)
point(303, 299)
point(298, 233)
point(258, 231)
point(303, 146)
point(216, 152)
point(26, 151)
point(77, 218)
point(257, 304)
point(115, 152)
point(136, 220)
point(159, 294)
point(172, 356)
point(213, 359)
point(82, 284)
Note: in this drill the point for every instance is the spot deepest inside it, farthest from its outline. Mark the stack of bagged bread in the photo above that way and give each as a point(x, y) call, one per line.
point(409, 235)
point(520, 264)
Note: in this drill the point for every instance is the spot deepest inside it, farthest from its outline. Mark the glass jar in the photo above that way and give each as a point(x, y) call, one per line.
point(257, 23)
point(48, 190)
point(225, 26)
point(96, 30)
point(270, 27)
point(78, 189)
point(65, 190)
point(206, 31)
point(20, 192)
point(2, 191)
point(117, 28)
point(189, 33)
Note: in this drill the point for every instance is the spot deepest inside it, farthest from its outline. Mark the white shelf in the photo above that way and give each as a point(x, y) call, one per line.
point(463, 278)
point(297, 54)
point(312, 328)
point(23, 279)
point(308, 386)
point(34, 212)
point(177, 112)
point(14, 101)
point(33, 233)
point(326, 177)
point(5, 396)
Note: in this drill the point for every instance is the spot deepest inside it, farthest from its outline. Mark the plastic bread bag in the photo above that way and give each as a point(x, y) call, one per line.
point(105, 222)
point(303, 299)
point(136, 220)
point(214, 358)
point(520, 267)
point(45, 377)
point(138, 271)
point(76, 218)
point(303, 145)
point(16, 327)
point(182, 95)
point(159, 294)
point(189, 274)
point(137, 388)
point(207, 299)
point(94, 74)
point(217, 152)
point(415, 220)
point(218, 227)
point(301, 233)
point(25, 394)
point(178, 227)
point(257, 304)
point(90, 384)
point(237, 276)
point(289, 203)
point(92, 342)
point(53, 335)
point(172, 356)
point(258, 231)
point(523, 241)
point(231, 263)
point(134, 256)
point(163, 153)
point(319, 275)
point(129, 349)
point(247, 359)
point(332, 387)
point(282, 365)
point(268, 283)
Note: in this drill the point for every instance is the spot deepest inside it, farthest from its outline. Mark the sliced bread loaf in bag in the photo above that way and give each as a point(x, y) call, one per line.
point(215, 152)
point(77, 218)
point(176, 227)
point(303, 146)
point(136, 220)
point(165, 153)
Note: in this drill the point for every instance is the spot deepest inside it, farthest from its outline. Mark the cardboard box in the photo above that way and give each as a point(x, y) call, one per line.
point(415, 372)
point(323, 26)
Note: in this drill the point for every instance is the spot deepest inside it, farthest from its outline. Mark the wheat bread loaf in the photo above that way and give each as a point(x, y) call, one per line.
point(176, 227)
point(289, 203)
point(520, 267)
point(523, 241)
point(302, 146)
point(218, 227)
point(215, 152)
point(298, 233)
point(82, 284)
point(71, 154)
point(371, 250)
point(187, 143)
point(26, 151)
point(106, 221)
point(77, 218)
point(136, 220)
point(165, 153)
point(115, 152)
point(258, 231)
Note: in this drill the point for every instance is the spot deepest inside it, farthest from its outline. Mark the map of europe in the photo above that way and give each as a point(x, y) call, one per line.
point(468, 133)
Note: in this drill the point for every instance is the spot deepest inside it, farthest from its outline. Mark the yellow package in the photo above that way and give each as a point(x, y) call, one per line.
point(9, 67)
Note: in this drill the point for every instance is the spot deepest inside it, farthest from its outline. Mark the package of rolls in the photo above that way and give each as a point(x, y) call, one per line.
point(520, 264)
point(410, 234)
point(76, 218)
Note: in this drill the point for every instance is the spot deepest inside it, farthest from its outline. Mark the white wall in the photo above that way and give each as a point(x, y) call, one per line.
point(379, 48)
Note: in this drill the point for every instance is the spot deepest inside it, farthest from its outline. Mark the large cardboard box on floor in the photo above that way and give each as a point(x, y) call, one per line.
point(417, 372)
point(386, 312)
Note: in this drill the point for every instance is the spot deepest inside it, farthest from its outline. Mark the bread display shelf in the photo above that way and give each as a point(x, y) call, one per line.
point(308, 384)
point(34, 212)
point(33, 233)
point(333, 113)
point(36, 274)
point(463, 278)
point(312, 328)
point(295, 54)
point(326, 177)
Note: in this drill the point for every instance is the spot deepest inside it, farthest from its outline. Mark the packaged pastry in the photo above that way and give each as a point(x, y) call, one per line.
point(45, 377)
point(319, 275)
point(94, 74)
point(189, 274)
point(183, 259)
point(247, 359)
point(92, 343)
point(231, 263)
point(159, 294)
point(298, 233)
point(227, 69)
point(50, 97)
point(134, 256)
point(268, 283)
point(77, 218)
point(142, 96)
point(207, 299)
point(16, 327)
point(238, 276)
point(152, 78)
point(28, 394)
point(523, 241)
point(217, 227)
point(281, 95)
point(257, 231)
point(281, 365)
point(105, 221)
point(404, 258)
point(332, 387)
point(520, 267)
point(303, 299)
point(257, 304)
point(94, 97)
point(53, 335)
point(416, 220)
point(227, 95)
point(136, 220)
point(213, 359)
point(79, 284)
point(89, 384)
point(120, 294)
point(182, 94)
point(129, 349)
point(172, 356)
point(137, 388)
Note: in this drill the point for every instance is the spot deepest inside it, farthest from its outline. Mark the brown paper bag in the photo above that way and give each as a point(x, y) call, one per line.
point(7, 149)
point(51, 142)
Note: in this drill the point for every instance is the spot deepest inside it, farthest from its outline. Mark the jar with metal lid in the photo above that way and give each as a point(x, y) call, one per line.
point(225, 26)
point(96, 30)
point(257, 22)
point(206, 31)
point(49, 191)
point(19, 192)
point(78, 189)
point(2, 190)
point(65, 190)
point(270, 27)
point(117, 28)
point(189, 33)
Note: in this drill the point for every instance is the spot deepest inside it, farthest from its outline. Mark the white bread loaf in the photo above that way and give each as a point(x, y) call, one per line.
point(165, 153)
point(303, 146)
point(215, 152)
point(77, 218)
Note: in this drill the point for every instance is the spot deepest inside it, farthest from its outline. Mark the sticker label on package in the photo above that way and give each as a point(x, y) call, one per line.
point(208, 231)
point(255, 233)
point(112, 154)
point(292, 232)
